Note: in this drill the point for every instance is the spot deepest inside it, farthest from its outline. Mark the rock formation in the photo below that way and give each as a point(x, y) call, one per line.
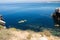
point(2, 22)
point(56, 17)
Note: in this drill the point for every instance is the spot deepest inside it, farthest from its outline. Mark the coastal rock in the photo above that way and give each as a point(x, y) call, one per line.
point(2, 22)
point(56, 17)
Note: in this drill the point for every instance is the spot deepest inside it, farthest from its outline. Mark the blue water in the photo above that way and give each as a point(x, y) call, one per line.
point(37, 15)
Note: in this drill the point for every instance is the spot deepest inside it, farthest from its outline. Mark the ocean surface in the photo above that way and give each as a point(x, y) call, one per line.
point(37, 15)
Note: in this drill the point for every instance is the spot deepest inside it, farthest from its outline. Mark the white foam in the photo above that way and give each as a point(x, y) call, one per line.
point(22, 21)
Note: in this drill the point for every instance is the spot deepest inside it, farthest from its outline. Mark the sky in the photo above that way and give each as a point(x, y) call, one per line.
point(26, 1)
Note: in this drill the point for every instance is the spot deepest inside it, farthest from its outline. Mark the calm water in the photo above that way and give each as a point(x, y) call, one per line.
point(36, 14)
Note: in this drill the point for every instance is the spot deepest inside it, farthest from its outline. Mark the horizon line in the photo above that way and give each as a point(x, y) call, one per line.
point(32, 2)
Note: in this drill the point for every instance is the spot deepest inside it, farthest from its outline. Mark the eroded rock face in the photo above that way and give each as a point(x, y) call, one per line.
point(2, 22)
point(56, 17)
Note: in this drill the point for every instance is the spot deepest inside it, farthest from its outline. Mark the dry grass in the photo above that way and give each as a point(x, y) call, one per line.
point(15, 34)
point(5, 34)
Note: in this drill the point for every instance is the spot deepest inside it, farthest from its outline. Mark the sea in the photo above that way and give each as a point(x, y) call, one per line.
point(37, 15)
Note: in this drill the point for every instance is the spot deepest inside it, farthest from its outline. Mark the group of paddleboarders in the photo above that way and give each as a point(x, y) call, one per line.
point(55, 16)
